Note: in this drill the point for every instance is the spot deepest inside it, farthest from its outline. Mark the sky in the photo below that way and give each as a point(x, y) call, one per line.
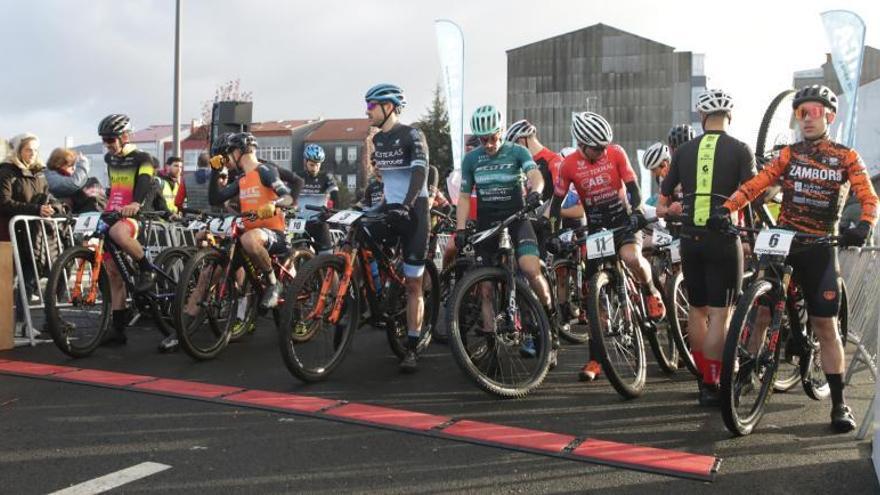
point(71, 62)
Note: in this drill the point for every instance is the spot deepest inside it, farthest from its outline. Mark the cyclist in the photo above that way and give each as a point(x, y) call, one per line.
point(816, 175)
point(260, 190)
point(522, 132)
point(678, 135)
point(400, 154)
point(495, 171)
point(712, 262)
point(130, 172)
point(317, 189)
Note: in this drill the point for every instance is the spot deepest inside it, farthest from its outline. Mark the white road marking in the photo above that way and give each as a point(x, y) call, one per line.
point(113, 480)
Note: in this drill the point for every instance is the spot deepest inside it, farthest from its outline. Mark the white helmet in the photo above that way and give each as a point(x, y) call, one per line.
point(519, 129)
point(591, 129)
point(655, 155)
point(564, 152)
point(714, 100)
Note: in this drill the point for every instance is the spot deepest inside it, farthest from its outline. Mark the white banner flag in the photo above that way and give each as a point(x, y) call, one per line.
point(450, 44)
point(846, 35)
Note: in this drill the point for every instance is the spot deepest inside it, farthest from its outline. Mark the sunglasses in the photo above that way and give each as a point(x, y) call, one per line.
point(372, 104)
point(595, 149)
point(814, 111)
point(109, 140)
point(490, 139)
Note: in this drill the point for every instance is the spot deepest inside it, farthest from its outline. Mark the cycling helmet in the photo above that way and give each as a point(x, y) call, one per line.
point(818, 93)
point(564, 152)
point(220, 146)
point(679, 134)
point(387, 92)
point(486, 121)
point(519, 129)
point(242, 141)
point(314, 153)
point(114, 125)
point(655, 155)
point(713, 101)
point(591, 129)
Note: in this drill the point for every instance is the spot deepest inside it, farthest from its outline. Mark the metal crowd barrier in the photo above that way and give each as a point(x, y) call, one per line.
point(156, 238)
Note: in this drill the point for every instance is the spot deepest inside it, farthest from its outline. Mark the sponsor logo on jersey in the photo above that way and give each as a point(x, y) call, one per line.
point(809, 173)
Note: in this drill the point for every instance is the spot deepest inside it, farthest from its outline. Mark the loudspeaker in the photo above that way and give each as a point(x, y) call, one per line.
point(230, 116)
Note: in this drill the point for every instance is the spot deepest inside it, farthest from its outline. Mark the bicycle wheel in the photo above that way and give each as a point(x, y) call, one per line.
point(812, 375)
point(312, 347)
point(776, 125)
point(244, 311)
point(570, 302)
point(662, 342)
point(751, 360)
point(486, 336)
point(396, 333)
point(618, 342)
point(170, 261)
point(205, 304)
point(678, 325)
point(77, 317)
point(448, 278)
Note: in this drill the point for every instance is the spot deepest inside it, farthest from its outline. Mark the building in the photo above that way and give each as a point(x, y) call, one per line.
point(343, 143)
point(868, 119)
point(641, 86)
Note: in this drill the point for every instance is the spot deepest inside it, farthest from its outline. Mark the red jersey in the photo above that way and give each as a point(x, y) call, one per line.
point(599, 184)
point(548, 163)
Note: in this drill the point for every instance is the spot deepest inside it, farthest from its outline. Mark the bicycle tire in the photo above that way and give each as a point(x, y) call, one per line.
point(677, 294)
point(731, 367)
point(218, 327)
point(397, 334)
point(662, 341)
point(290, 344)
point(767, 135)
point(163, 310)
point(566, 331)
point(632, 345)
point(59, 328)
point(494, 346)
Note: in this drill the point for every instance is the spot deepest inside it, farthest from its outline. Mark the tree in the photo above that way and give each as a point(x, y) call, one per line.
point(228, 91)
point(435, 125)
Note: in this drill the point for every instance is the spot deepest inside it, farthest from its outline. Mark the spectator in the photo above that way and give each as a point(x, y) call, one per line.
point(24, 191)
point(68, 177)
point(172, 191)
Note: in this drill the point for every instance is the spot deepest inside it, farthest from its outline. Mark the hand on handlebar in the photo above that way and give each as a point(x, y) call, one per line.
point(720, 220)
point(855, 236)
point(130, 210)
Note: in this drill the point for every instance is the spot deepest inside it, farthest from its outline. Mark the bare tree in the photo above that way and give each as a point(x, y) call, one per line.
point(228, 91)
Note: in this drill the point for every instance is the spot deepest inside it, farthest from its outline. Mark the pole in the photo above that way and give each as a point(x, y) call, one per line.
point(176, 118)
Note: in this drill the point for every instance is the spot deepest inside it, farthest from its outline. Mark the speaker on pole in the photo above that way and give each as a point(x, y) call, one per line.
point(230, 116)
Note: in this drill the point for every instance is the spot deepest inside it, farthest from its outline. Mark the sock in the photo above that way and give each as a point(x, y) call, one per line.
point(242, 307)
point(412, 339)
point(120, 320)
point(712, 375)
point(700, 361)
point(835, 383)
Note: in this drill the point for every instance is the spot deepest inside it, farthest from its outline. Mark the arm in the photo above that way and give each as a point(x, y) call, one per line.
point(536, 179)
point(463, 210)
point(144, 189)
point(635, 195)
point(217, 196)
point(418, 165)
point(62, 185)
point(753, 188)
point(862, 188)
point(332, 189)
point(270, 178)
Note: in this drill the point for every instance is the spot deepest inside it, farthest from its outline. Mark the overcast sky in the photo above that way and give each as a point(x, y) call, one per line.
point(70, 62)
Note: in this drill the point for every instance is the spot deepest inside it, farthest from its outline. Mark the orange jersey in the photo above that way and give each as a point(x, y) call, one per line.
point(254, 194)
point(816, 179)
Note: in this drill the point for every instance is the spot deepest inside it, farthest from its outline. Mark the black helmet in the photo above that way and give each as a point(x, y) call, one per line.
point(220, 146)
point(679, 134)
point(114, 125)
point(816, 92)
point(241, 141)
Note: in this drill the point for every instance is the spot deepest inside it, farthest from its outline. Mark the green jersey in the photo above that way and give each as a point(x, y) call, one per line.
point(498, 180)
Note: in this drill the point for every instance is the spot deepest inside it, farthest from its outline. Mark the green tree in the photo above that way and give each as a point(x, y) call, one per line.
point(435, 125)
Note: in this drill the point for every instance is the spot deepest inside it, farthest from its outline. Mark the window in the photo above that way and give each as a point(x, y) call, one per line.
point(352, 181)
point(339, 154)
point(274, 153)
point(352, 154)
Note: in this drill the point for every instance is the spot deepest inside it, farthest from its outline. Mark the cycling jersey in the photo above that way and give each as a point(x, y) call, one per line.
point(816, 178)
point(712, 163)
point(599, 184)
point(401, 157)
point(254, 189)
point(316, 191)
point(498, 180)
point(548, 163)
point(130, 177)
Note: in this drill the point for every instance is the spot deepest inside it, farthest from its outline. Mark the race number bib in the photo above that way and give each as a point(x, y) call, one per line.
point(196, 225)
point(296, 226)
point(600, 245)
point(86, 223)
point(345, 217)
point(774, 242)
point(221, 226)
point(661, 238)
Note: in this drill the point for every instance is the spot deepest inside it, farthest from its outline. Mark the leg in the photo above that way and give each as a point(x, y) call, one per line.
point(117, 303)
point(631, 254)
point(254, 243)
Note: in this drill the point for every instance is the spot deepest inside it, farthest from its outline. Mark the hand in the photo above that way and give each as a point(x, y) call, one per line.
point(674, 209)
point(266, 211)
point(720, 220)
point(130, 210)
point(856, 236)
point(461, 238)
point(46, 211)
point(216, 162)
point(554, 245)
point(533, 200)
point(638, 221)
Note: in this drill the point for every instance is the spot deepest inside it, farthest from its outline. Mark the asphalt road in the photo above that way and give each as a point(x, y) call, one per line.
point(56, 434)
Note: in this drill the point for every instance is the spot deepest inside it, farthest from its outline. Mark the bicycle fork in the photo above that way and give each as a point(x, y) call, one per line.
point(327, 284)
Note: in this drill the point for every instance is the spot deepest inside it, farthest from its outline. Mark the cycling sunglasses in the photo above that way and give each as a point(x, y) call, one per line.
point(813, 110)
point(494, 138)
